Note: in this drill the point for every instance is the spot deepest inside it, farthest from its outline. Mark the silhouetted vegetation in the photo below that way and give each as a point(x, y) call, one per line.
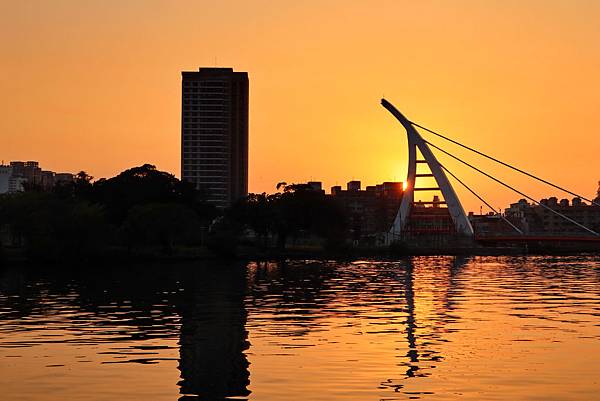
point(52, 228)
point(296, 212)
point(144, 211)
point(140, 209)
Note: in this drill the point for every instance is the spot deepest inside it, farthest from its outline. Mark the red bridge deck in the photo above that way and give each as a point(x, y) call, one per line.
point(535, 238)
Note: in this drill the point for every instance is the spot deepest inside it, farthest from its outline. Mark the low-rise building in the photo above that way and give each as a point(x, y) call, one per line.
point(16, 184)
point(5, 174)
point(492, 224)
point(46, 179)
point(30, 170)
point(63, 177)
point(546, 218)
point(19, 174)
point(370, 211)
point(316, 186)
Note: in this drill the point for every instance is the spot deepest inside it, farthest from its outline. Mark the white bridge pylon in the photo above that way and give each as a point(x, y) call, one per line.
point(415, 141)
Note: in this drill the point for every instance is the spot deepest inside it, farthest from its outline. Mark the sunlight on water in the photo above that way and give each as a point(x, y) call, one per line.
point(439, 328)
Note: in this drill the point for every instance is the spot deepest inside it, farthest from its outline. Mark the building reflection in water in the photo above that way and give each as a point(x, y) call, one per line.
point(213, 336)
point(209, 300)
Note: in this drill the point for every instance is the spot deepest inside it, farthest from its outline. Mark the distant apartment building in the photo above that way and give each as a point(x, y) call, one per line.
point(369, 211)
point(542, 219)
point(30, 170)
point(214, 133)
point(19, 174)
point(493, 224)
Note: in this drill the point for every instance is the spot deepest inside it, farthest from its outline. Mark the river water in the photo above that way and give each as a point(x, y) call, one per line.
point(432, 328)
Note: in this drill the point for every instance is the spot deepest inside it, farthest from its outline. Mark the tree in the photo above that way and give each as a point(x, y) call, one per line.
point(302, 209)
point(80, 188)
point(256, 211)
point(140, 206)
point(54, 229)
point(141, 185)
point(297, 210)
point(163, 224)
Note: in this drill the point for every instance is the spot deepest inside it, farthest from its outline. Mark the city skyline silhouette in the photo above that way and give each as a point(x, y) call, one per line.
point(515, 80)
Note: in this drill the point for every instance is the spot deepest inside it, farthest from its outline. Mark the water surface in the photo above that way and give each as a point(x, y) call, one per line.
point(432, 328)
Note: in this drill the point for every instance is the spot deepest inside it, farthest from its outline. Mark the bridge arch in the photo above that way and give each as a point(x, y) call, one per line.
point(416, 142)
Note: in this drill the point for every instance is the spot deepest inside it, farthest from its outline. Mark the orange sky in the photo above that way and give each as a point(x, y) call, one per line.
point(95, 85)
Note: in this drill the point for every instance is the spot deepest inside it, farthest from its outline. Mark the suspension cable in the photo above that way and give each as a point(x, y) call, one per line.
point(504, 164)
point(514, 189)
point(481, 199)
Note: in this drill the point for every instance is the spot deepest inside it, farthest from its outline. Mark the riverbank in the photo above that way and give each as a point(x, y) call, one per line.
point(18, 256)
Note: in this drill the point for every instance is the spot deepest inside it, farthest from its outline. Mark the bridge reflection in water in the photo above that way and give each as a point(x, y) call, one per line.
point(379, 315)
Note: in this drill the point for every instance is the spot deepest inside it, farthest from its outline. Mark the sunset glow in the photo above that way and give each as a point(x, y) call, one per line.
point(285, 200)
point(95, 86)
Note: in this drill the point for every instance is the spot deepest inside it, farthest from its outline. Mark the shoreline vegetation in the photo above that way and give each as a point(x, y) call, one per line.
point(144, 214)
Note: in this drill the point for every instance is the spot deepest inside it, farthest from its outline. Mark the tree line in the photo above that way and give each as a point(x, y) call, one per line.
point(143, 209)
point(295, 211)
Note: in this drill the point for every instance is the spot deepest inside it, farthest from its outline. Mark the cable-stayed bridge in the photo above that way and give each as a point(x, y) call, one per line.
point(446, 216)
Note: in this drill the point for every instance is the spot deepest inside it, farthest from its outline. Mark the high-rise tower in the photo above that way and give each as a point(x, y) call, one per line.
point(214, 133)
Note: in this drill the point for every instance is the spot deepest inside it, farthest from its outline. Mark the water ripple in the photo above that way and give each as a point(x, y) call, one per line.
point(420, 328)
